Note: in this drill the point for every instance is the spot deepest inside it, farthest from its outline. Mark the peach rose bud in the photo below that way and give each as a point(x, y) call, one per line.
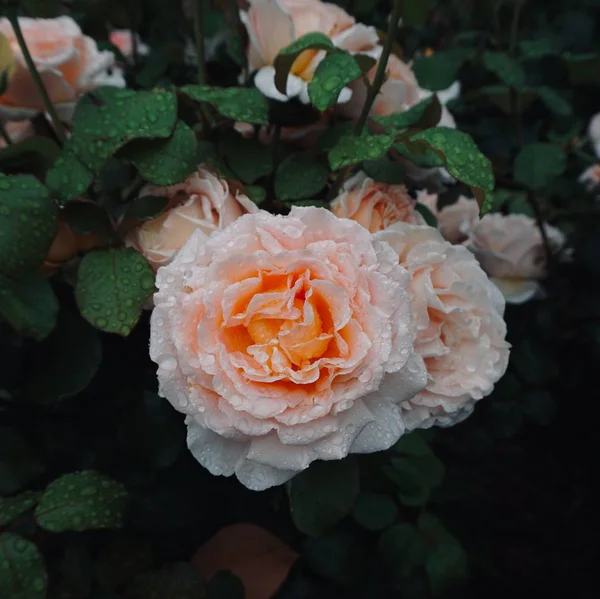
point(455, 221)
point(203, 203)
point(511, 251)
point(458, 315)
point(375, 205)
point(285, 339)
point(69, 64)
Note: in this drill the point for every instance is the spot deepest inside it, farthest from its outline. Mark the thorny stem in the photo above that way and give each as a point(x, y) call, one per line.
point(37, 80)
point(381, 67)
point(199, 35)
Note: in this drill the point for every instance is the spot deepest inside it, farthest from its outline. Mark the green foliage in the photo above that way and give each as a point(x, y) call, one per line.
point(332, 75)
point(539, 163)
point(85, 500)
point(463, 160)
point(374, 511)
point(23, 570)
point(324, 494)
point(19, 464)
point(112, 286)
point(351, 149)
point(300, 176)
point(508, 70)
point(423, 115)
point(146, 207)
point(164, 162)
point(440, 70)
point(248, 158)
point(29, 305)
point(12, 507)
point(27, 224)
point(337, 557)
point(241, 104)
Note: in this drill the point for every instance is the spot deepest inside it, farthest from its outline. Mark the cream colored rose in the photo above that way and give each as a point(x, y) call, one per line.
point(203, 203)
point(511, 251)
point(458, 315)
point(274, 24)
point(375, 205)
point(68, 62)
point(285, 339)
point(454, 221)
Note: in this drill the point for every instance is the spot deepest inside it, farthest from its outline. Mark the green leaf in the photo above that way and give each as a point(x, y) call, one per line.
point(537, 48)
point(331, 136)
point(446, 563)
point(146, 207)
point(112, 286)
point(337, 557)
point(23, 570)
point(19, 465)
point(323, 494)
point(243, 104)
point(375, 511)
point(422, 156)
point(248, 158)
point(68, 178)
point(256, 193)
point(225, 585)
point(29, 304)
point(85, 500)
point(37, 153)
point(12, 507)
point(64, 364)
point(415, 13)
point(331, 76)
point(554, 101)
point(508, 70)
point(425, 114)
point(385, 170)
point(440, 70)
point(28, 222)
point(286, 57)
point(463, 160)
point(402, 548)
point(88, 217)
point(300, 176)
point(173, 581)
point(352, 149)
point(164, 162)
point(539, 163)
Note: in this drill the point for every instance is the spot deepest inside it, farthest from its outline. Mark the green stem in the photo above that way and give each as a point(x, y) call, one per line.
point(199, 35)
point(383, 60)
point(37, 80)
point(4, 134)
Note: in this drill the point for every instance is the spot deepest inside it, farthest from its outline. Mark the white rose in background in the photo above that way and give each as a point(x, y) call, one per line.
point(458, 314)
point(511, 251)
point(69, 64)
point(594, 133)
point(274, 24)
point(285, 339)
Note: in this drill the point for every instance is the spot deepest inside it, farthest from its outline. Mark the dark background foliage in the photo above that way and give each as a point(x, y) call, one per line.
point(499, 505)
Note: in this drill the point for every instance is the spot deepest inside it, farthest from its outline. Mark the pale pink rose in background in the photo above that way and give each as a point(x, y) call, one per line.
point(444, 96)
point(123, 40)
point(274, 24)
point(375, 205)
point(17, 131)
point(285, 339)
point(511, 251)
point(458, 315)
point(454, 221)
point(69, 64)
point(203, 203)
point(399, 92)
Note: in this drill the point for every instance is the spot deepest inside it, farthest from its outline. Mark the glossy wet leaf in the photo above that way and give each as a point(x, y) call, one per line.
point(300, 176)
point(23, 572)
point(331, 76)
point(539, 163)
point(12, 507)
point(351, 149)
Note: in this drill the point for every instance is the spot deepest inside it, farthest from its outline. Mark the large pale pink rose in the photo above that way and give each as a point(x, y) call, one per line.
point(69, 64)
point(285, 339)
point(511, 251)
point(454, 221)
point(375, 205)
point(274, 24)
point(203, 203)
point(461, 332)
